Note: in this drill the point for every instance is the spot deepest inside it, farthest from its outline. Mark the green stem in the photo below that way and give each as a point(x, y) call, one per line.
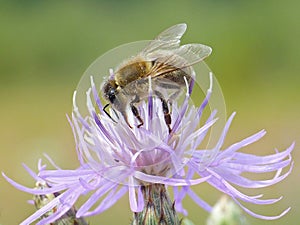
point(158, 210)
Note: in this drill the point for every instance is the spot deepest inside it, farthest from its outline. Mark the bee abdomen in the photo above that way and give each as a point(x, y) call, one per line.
point(177, 76)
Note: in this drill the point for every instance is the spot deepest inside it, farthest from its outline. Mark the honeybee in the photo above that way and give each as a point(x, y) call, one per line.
point(166, 62)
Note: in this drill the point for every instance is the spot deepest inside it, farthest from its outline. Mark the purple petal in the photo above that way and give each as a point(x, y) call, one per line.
point(168, 181)
point(136, 202)
point(261, 216)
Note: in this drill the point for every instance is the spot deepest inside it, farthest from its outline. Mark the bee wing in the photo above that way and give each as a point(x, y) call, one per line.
point(166, 49)
point(168, 39)
point(182, 57)
point(191, 53)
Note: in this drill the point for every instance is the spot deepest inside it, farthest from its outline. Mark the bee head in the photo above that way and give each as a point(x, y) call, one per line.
point(118, 101)
point(110, 91)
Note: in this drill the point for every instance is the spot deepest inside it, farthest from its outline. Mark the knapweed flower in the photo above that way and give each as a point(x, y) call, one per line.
point(116, 159)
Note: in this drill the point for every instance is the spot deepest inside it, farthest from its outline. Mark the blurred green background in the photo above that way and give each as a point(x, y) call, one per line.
point(45, 46)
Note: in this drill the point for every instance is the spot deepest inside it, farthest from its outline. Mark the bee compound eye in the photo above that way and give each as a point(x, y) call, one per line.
point(111, 95)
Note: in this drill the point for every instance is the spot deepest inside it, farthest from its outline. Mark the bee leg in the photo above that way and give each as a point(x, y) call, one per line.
point(136, 114)
point(166, 110)
point(107, 113)
point(166, 113)
point(126, 118)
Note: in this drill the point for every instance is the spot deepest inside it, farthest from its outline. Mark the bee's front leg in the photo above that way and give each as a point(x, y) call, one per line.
point(135, 111)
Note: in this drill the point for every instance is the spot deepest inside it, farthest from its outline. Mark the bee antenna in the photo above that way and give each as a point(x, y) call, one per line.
point(104, 109)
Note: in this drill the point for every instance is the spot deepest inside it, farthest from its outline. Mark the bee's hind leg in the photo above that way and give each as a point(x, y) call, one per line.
point(135, 111)
point(165, 108)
